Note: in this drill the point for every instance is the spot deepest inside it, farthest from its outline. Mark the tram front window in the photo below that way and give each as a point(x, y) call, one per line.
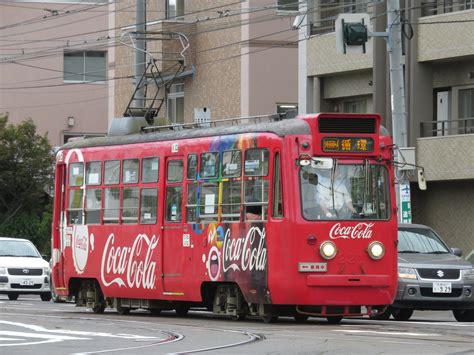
point(344, 192)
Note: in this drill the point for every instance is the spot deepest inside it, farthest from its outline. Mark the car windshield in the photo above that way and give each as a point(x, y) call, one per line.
point(420, 240)
point(18, 248)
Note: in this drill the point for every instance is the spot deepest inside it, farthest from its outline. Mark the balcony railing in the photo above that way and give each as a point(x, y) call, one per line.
point(447, 128)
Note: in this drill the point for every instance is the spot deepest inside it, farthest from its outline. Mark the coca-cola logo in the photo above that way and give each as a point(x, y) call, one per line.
point(128, 266)
point(247, 253)
point(359, 231)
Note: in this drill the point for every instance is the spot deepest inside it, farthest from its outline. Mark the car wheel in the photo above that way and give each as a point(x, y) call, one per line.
point(402, 313)
point(13, 296)
point(464, 315)
point(46, 296)
point(334, 319)
point(385, 315)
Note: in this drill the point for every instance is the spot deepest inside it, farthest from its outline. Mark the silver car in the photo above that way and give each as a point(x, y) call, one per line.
point(23, 270)
point(431, 276)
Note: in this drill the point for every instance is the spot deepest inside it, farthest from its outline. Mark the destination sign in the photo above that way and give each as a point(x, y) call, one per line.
point(348, 144)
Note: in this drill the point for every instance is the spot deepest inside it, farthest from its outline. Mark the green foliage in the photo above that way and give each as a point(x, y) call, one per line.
point(26, 171)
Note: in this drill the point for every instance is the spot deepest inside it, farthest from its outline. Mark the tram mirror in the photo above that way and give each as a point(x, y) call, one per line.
point(421, 179)
point(322, 163)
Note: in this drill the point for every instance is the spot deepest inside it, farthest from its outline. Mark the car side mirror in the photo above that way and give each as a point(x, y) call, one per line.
point(456, 251)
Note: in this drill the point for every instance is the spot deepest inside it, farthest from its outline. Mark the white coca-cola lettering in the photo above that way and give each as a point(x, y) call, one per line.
point(248, 253)
point(359, 231)
point(129, 266)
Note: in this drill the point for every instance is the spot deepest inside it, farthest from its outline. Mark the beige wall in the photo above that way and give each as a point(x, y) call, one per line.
point(448, 208)
point(445, 40)
point(52, 101)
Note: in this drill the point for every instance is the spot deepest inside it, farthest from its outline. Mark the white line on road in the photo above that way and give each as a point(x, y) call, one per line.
point(385, 333)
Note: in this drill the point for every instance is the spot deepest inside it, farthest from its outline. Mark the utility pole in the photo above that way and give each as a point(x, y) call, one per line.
point(140, 55)
point(397, 99)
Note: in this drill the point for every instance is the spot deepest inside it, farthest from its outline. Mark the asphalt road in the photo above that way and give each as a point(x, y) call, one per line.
point(30, 326)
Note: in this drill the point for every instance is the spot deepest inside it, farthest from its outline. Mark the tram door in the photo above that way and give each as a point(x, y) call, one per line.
point(176, 261)
point(59, 231)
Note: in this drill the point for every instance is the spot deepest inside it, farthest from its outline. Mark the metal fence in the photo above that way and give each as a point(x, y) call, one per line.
point(447, 128)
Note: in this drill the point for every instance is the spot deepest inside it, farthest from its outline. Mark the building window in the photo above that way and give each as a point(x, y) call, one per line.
point(324, 18)
point(175, 9)
point(466, 110)
point(85, 66)
point(355, 106)
point(283, 108)
point(287, 5)
point(176, 103)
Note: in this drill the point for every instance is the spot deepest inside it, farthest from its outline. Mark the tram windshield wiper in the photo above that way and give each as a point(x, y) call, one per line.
point(409, 252)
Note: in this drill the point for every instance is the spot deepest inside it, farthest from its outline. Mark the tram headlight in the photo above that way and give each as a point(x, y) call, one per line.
point(328, 250)
point(376, 250)
point(407, 273)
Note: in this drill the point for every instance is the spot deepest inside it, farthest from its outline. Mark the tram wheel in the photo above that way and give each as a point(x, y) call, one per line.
point(269, 318)
point(123, 310)
point(181, 310)
point(100, 308)
point(334, 319)
point(301, 318)
point(239, 317)
point(382, 316)
point(402, 314)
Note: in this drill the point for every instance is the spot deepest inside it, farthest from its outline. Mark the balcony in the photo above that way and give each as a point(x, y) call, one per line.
point(445, 149)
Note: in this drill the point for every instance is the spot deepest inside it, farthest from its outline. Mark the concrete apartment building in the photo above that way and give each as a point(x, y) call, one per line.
point(241, 60)
point(54, 66)
point(439, 85)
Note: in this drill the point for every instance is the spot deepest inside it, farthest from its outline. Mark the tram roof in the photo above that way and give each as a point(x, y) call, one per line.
point(279, 128)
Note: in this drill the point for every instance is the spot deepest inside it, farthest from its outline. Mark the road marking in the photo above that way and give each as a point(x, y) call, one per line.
point(43, 335)
point(385, 333)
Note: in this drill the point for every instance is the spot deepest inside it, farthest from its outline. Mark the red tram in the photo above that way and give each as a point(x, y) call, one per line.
point(295, 218)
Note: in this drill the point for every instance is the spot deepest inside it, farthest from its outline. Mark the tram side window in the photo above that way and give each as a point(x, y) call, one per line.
point(191, 203)
point(111, 205)
point(150, 170)
point(173, 203)
point(74, 211)
point(112, 172)
point(208, 205)
point(148, 206)
point(93, 173)
point(256, 162)
point(277, 200)
point(175, 171)
point(130, 171)
point(209, 165)
point(256, 199)
point(76, 174)
point(231, 200)
point(130, 205)
point(93, 205)
point(231, 163)
point(192, 166)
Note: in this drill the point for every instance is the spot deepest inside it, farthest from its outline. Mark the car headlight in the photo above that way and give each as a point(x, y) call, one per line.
point(407, 273)
point(328, 250)
point(376, 250)
point(46, 271)
point(3, 271)
point(468, 275)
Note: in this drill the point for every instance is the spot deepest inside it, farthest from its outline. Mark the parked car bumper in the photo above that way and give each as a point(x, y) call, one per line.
point(24, 285)
point(419, 295)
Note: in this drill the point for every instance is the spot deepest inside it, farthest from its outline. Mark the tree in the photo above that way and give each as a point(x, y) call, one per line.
point(26, 169)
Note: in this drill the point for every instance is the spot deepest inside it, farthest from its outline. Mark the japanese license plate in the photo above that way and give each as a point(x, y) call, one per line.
point(27, 282)
point(441, 287)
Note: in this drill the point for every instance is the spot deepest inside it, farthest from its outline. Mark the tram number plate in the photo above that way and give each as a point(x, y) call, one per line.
point(442, 287)
point(27, 282)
